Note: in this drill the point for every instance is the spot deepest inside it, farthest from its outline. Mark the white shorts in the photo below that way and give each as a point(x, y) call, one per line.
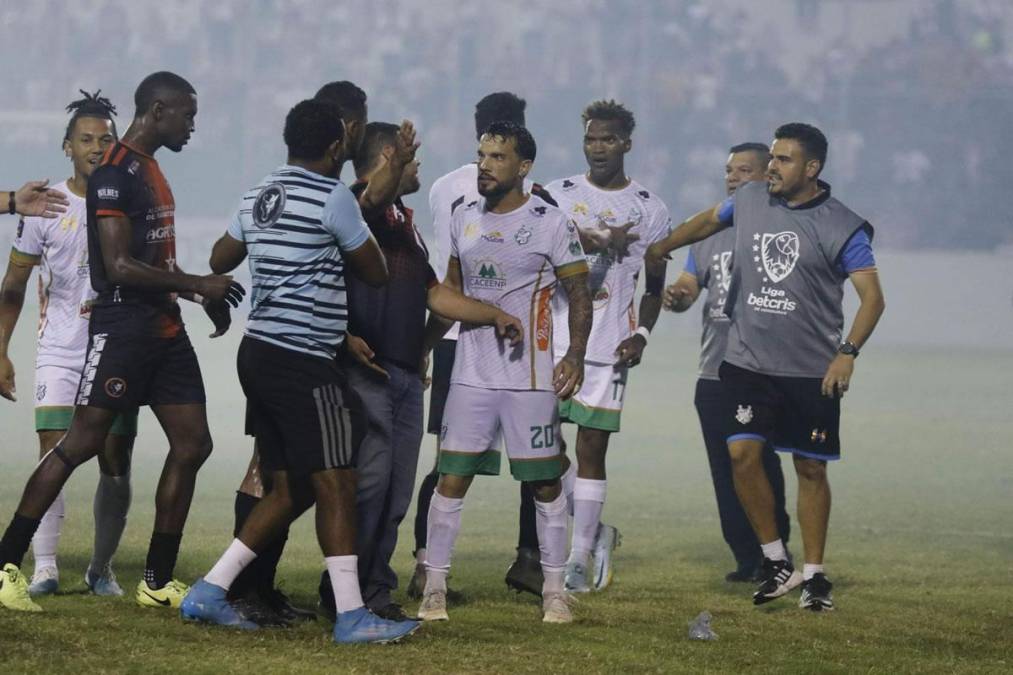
point(56, 395)
point(474, 419)
point(599, 403)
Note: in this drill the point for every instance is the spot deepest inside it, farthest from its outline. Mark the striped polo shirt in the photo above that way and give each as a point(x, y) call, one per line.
point(296, 224)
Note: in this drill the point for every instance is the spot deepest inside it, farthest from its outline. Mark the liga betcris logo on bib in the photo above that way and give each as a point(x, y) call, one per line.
point(543, 320)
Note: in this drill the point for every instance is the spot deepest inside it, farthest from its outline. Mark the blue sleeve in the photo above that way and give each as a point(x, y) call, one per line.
point(342, 218)
point(856, 254)
point(690, 267)
point(726, 211)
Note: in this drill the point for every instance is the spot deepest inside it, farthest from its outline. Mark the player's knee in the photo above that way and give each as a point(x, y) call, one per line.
point(812, 470)
point(453, 487)
point(193, 452)
point(545, 490)
point(745, 455)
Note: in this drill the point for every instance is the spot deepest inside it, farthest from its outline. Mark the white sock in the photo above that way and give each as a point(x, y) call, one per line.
point(48, 535)
point(588, 502)
point(550, 520)
point(344, 571)
point(810, 570)
point(112, 501)
point(567, 480)
point(237, 556)
point(774, 550)
point(444, 524)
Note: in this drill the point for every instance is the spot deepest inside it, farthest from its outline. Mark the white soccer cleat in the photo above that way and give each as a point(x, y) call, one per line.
point(607, 541)
point(556, 608)
point(45, 581)
point(434, 606)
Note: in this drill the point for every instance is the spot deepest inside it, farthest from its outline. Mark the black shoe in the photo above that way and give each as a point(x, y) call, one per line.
point(747, 574)
point(777, 578)
point(816, 594)
point(326, 605)
point(525, 574)
point(391, 611)
point(251, 606)
point(279, 602)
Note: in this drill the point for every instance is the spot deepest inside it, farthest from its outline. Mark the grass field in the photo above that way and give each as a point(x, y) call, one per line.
point(920, 548)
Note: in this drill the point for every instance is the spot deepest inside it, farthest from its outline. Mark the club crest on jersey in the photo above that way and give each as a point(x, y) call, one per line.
point(522, 236)
point(494, 237)
point(269, 205)
point(487, 274)
point(744, 414)
point(779, 253)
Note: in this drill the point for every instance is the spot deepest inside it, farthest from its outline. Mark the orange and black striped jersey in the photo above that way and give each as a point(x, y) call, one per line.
point(129, 184)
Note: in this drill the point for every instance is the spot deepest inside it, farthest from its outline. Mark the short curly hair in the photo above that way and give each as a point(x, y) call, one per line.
point(610, 110)
point(311, 127)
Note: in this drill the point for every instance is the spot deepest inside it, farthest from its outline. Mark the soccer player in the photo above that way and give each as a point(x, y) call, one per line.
point(300, 227)
point(138, 351)
point(605, 197)
point(788, 361)
point(35, 198)
point(708, 266)
point(510, 249)
point(60, 246)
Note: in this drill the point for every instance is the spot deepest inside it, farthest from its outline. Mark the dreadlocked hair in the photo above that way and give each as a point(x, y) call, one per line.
point(92, 105)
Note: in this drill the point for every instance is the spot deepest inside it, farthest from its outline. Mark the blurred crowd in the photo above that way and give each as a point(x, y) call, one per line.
point(916, 123)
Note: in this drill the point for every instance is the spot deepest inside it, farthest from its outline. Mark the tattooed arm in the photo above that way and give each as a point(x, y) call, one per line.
point(569, 372)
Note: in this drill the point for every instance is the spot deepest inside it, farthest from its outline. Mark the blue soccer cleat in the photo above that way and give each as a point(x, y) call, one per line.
point(206, 602)
point(362, 626)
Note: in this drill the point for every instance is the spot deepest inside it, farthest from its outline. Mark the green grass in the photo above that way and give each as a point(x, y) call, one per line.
point(920, 547)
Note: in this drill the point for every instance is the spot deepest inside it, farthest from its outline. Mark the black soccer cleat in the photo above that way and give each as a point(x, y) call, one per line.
point(282, 605)
point(816, 594)
point(777, 578)
point(525, 574)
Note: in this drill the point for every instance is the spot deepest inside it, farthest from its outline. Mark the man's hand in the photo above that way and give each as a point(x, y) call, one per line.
point(620, 239)
point(424, 371)
point(673, 295)
point(656, 255)
point(405, 144)
point(568, 375)
point(7, 387)
point(361, 352)
point(34, 198)
point(838, 377)
point(220, 288)
point(509, 328)
point(631, 350)
point(220, 315)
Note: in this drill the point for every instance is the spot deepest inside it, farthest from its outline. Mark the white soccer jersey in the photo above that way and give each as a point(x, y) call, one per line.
point(512, 260)
point(455, 189)
point(613, 283)
point(60, 246)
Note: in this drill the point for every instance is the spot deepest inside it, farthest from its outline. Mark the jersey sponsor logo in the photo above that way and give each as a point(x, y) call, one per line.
point(771, 300)
point(269, 205)
point(494, 237)
point(523, 235)
point(159, 234)
point(116, 387)
point(779, 253)
point(487, 274)
point(744, 414)
point(543, 320)
point(108, 193)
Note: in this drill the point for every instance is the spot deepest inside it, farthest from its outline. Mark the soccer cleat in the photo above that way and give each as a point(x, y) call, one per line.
point(169, 596)
point(418, 582)
point(391, 612)
point(45, 581)
point(607, 541)
point(14, 590)
point(816, 594)
point(556, 608)
point(280, 603)
point(207, 602)
point(777, 578)
point(433, 607)
point(254, 608)
point(361, 626)
point(576, 578)
point(525, 574)
point(745, 573)
point(104, 584)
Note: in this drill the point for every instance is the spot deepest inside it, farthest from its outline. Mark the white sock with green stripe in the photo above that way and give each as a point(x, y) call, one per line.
point(443, 526)
point(588, 502)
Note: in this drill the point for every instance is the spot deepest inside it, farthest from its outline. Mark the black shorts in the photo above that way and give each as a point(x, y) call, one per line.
point(122, 372)
point(443, 366)
point(299, 408)
point(790, 413)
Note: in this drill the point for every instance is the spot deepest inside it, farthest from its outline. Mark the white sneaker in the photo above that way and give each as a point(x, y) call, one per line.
point(607, 541)
point(556, 608)
point(45, 581)
point(433, 607)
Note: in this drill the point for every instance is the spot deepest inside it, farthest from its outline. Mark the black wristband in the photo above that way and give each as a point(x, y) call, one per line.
point(11, 205)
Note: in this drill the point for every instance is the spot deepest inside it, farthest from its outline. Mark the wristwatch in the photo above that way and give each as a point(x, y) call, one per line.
point(848, 348)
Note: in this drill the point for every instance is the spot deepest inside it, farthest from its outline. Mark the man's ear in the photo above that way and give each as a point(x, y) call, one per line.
point(525, 168)
point(157, 110)
point(812, 168)
point(66, 147)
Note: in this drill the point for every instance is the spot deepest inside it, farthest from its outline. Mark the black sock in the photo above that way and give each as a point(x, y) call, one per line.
point(422, 511)
point(527, 536)
point(161, 560)
point(17, 539)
